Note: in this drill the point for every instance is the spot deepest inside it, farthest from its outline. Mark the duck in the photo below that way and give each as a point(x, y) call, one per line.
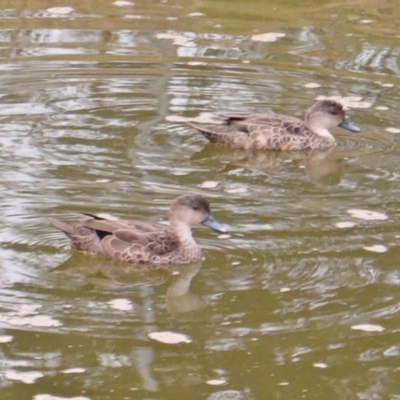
point(279, 132)
point(142, 242)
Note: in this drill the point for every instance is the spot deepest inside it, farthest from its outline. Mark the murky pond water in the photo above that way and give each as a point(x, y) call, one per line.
point(300, 301)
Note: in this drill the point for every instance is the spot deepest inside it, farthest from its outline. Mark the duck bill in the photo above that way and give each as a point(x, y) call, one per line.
point(213, 224)
point(349, 126)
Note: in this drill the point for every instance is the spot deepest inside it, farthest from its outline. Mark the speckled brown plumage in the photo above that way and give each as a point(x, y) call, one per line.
point(279, 132)
point(141, 242)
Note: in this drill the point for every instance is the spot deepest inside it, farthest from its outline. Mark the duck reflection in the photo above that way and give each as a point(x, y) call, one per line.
point(180, 302)
point(320, 167)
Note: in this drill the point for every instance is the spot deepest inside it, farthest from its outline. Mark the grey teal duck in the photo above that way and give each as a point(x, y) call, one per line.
point(279, 132)
point(141, 242)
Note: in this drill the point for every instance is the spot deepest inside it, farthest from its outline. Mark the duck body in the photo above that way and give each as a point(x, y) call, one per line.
point(279, 132)
point(144, 243)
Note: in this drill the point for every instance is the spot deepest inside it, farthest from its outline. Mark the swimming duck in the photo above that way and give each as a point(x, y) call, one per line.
point(279, 132)
point(141, 242)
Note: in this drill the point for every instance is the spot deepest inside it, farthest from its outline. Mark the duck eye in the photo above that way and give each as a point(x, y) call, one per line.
point(196, 208)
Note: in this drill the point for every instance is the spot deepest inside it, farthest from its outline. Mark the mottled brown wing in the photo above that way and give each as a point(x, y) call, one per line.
point(133, 236)
point(155, 243)
point(135, 246)
point(245, 121)
point(162, 244)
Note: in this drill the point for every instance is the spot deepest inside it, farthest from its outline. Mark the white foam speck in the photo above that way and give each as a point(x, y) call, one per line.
point(74, 371)
point(179, 40)
point(216, 382)
point(377, 248)
point(6, 339)
point(368, 328)
point(387, 85)
point(28, 377)
point(283, 383)
point(29, 309)
point(169, 337)
point(345, 224)
point(381, 108)
point(268, 37)
point(196, 14)
point(367, 214)
point(60, 10)
point(36, 320)
point(121, 304)
point(284, 289)
point(196, 63)
point(238, 189)
point(209, 184)
point(236, 263)
point(224, 236)
point(312, 85)
point(123, 3)
point(320, 365)
point(392, 130)
point(46, 396)
point(366, 21)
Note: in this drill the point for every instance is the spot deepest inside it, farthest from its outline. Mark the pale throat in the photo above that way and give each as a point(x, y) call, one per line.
point(323, 132)
point(184, 233)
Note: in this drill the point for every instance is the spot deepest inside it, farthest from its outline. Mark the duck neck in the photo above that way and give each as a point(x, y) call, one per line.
point(323, 132)
point(183, 233)
point(317, 130)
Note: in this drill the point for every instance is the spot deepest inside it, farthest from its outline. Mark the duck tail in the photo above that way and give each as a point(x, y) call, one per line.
point(210, 131)
point(62, 226)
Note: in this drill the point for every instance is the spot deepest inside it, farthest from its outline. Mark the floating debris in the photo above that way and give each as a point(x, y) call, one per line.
point(320, 365)
point(237, 189)
point(392, 130)
point(46, 396)
point(74, 371)
point(367, 214)
point(196, 63)
point(368, 328)
point(216, 382)
point(36, 320)
point(123, 3)
point(196, 14)
point(6, 339)
point(268, 37)
point(345, 224)
point(60, 10)
point(209, 184)
point(28, 377)
point(377, 248)
point(312, 85)
point(179, 40)
point(121, 304)
point(169, 337)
